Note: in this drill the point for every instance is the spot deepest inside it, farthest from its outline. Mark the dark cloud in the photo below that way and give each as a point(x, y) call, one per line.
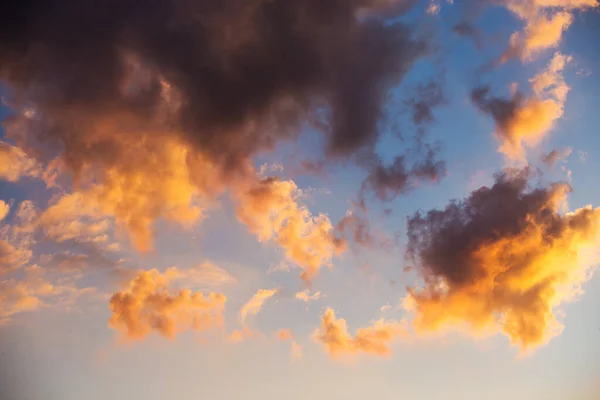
point(466, 29)
point(425, 99)
point(501, 110)
point(389, 181)
point(503, 257)
point(247, 73)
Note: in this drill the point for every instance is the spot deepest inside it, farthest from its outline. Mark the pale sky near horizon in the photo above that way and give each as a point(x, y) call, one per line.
point(135, 266)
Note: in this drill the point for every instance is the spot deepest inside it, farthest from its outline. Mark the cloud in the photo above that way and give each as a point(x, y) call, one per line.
point(34, 290)
point(552, 158)
point(545, 23)
point(373, 339)
point(503, 259)
point(15, 164)
point(148, 305)
point(207, 275)
point(255, 304)
point(12, 258)
point(155, 116)
point(390, 181)
point(4, 209)
point(272, 211)
point(306, 297)
point(525, 121)
point(466, 29)
point(295, 350)
point(422, 103)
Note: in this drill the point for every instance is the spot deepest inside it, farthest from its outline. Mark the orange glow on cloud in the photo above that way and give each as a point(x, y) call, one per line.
point(525, 121)
point(272, 212)
point(489, 267)
point(545, 23)
point(147, 306)
point(374, 339)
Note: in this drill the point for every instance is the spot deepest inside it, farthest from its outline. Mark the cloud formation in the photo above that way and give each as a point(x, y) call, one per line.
point(272, 211)
point(545, 23)
point(524, 121)
point(148, 305)
point(505, 258)
point(373, 339)
point(155, 112)
point(15, 164)
point(255, 304)
point(286, 335)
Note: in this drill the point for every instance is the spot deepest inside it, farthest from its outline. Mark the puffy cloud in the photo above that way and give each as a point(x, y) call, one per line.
point(541, 32)
point(155, 130)
point(505, 258)
point(147, 305)
point(272, 211)
point(545, 23)
point(373, 339)
point(15, 164)
point(255, 304)
point(524, 121)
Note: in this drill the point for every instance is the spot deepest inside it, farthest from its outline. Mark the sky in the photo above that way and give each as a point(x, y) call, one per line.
point(299, 199)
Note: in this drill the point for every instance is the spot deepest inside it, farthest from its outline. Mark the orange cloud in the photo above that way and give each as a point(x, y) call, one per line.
point(4, 209)
point(147, 306)
point(271, 210)
point(306, 297)
point(373, 339)
point(255, 304)
point(15, 164)
point(504, 259)
point(545, 23)
point(287, 335)
point(525, 121)
point(33, 290)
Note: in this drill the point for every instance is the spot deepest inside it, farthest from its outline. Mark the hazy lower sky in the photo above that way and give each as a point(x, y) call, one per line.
point(299, 199)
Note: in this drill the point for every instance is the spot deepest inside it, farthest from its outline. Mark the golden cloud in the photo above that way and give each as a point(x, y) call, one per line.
point(147, 305)
point(15, 164)
point(373, 339)
point(271, 210)
point(255, 304)
point(545, 23)
point(525, 121)
point(504, 259)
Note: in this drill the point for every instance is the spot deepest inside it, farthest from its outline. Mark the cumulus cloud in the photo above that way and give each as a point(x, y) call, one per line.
point(155, 113)
point(148, 305)
point(525, 121)
point(272, 211)
point(545, 23)
point(373, 339)
point(503, 259)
